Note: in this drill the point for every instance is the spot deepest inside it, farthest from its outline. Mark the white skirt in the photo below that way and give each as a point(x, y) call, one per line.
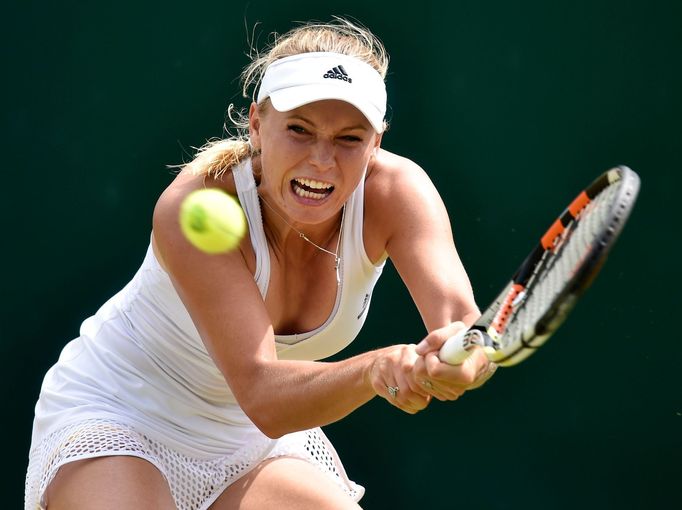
point(195, 483)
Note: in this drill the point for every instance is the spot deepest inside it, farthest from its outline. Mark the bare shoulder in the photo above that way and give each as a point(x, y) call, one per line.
point(395, 183)
point(218, 290)
point(183, 184)
point(166, 234)
point(398, 193)
point(391, 173)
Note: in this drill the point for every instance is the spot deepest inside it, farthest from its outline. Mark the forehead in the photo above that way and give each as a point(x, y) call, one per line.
point(327, 112)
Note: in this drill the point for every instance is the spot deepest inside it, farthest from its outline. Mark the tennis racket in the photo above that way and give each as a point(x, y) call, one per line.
point(546, 287)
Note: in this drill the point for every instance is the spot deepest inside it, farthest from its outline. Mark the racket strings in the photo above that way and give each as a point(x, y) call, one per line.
point(555, 269)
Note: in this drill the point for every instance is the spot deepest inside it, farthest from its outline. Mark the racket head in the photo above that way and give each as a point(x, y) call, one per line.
point(548, 284)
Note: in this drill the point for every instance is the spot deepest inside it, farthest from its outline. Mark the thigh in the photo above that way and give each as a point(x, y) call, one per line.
point(113, 482)
point(285, 482)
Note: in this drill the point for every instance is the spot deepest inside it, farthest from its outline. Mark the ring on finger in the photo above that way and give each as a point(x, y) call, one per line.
point(393, 391)
point(427, 384)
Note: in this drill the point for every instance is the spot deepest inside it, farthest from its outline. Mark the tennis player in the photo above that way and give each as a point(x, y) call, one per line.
point(199, 384)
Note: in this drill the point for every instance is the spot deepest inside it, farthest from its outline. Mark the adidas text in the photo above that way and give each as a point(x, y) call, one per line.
point(339, 73)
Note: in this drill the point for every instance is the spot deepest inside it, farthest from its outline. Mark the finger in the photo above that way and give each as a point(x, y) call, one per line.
point(418, 387)
point(449, 382)
point(448, 391)
point(436, 390)
point(462, 375)
point(409, 399)
point(391, 393)
point(449, 375)
point(480, 364)
point(425, 384)
point(404, 404)
point(435, 340)
point(483, 378)
point(413, 371)
point(416, 403)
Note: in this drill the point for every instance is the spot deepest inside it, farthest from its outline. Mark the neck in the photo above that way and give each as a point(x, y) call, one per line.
point(291, 239)
point(278, 223)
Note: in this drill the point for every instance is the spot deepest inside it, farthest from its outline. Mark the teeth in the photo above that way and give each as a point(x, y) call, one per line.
point(308, 194)
point(310, 183)
point(324, 187)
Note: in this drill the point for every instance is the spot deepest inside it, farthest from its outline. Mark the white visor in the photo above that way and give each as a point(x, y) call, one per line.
point(294, 81)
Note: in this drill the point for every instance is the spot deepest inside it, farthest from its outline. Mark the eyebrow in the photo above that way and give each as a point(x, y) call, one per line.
point(297, 116)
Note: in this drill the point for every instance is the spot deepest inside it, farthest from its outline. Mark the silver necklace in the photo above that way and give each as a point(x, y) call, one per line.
point(337, 258)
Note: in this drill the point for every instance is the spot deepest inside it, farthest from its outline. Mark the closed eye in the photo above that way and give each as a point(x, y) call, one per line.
point(351, 138)
point(297, 129)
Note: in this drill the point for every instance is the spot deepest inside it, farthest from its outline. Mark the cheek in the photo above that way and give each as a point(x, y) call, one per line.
point(366, 151)
point(353, 168)
point(274, 153)
point(356, 158)
point(277, 160)
point(281, 148)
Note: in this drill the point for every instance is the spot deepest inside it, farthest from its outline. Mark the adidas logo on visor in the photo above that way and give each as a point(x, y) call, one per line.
point(339, 73)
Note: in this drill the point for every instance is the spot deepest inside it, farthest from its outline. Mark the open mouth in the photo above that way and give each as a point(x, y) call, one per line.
point(312, 189)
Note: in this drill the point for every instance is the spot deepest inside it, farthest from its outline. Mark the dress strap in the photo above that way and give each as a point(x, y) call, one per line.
point(248, 198)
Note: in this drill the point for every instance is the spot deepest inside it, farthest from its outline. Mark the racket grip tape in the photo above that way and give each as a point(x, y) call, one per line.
point(456, 348)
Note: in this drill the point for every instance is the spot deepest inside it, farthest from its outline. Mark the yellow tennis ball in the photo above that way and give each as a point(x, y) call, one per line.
point(212, 220)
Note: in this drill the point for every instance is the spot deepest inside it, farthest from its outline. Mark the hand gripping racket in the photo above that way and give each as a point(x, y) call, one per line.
point(548, 284)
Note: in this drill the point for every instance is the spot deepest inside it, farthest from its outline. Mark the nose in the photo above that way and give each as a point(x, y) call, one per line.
point(322, 154)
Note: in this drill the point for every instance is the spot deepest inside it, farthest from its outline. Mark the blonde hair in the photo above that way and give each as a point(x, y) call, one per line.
point(338, 36)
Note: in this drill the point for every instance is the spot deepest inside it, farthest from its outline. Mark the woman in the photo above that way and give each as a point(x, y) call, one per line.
point(197, 385)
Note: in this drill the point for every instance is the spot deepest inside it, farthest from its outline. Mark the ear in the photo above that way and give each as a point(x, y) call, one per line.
point(254, 126)
point(377, 143)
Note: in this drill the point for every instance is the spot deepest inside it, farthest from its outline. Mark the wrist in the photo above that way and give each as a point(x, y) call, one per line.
point(369, 371)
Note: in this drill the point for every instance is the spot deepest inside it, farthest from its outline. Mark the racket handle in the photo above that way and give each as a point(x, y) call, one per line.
point(456, 348)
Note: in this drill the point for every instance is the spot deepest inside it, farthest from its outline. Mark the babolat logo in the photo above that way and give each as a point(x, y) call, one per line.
point(339, 73)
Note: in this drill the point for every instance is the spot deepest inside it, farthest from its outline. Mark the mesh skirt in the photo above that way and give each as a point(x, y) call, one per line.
point(195, 483)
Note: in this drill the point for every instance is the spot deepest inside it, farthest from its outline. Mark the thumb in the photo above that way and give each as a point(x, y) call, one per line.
point(426, 345)
point(435, 340)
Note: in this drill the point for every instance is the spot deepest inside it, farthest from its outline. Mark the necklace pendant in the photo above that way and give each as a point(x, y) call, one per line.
point(337, 263)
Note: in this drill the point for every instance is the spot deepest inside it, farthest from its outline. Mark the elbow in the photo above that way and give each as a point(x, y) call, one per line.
point(267, 412)
point(263, 414)
point(272, 433)
point(268, 425)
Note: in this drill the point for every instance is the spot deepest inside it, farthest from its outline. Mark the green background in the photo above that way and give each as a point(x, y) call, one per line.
point(512, 107)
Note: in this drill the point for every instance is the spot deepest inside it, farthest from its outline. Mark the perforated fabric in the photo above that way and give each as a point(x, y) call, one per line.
point(195, 483)
point(313, 446)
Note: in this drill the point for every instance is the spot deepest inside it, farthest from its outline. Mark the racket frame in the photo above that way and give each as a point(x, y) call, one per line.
point(490, 328)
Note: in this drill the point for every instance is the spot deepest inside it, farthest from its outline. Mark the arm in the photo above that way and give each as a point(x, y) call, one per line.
point(223, 300)
point(407, 207)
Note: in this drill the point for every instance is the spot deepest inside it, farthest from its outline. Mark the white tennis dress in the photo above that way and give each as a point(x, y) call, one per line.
point(138, 380)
